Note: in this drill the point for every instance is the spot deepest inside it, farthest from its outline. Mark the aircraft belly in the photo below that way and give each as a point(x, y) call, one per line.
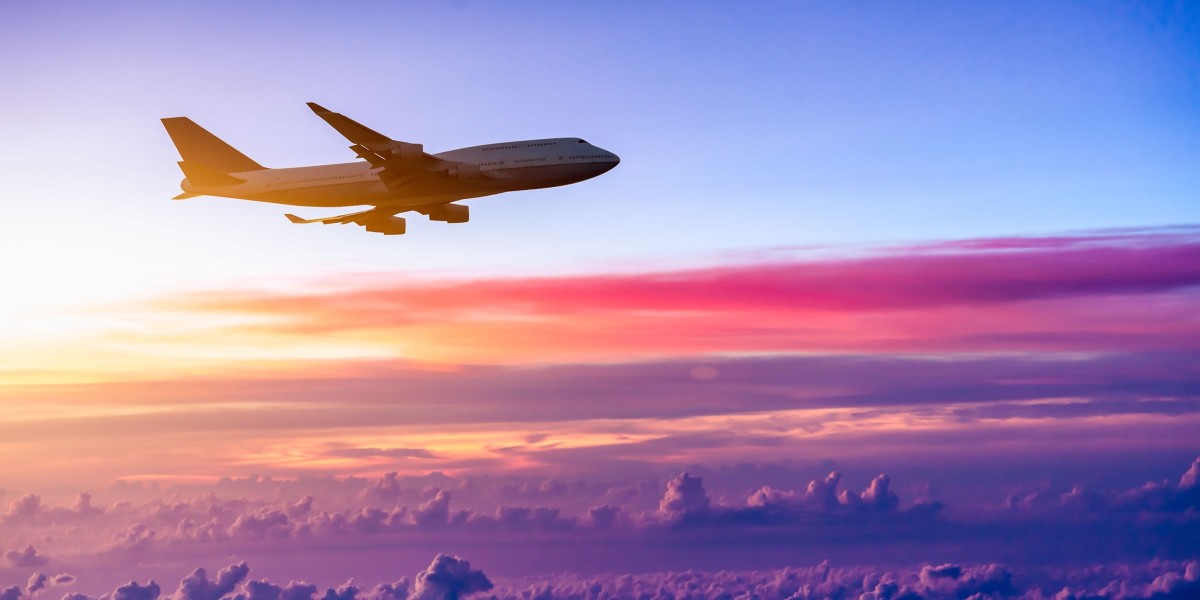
point(375, 193)
point(346, 194)
point(525, 178)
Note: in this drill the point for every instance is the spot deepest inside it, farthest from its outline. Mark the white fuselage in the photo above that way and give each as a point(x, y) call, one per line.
point(508, 166)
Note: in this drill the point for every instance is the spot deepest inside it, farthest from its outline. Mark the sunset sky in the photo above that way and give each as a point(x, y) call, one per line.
point(896, 285)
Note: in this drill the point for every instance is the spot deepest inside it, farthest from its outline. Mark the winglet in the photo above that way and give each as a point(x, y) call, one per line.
point(295, 219)
point(352, 130)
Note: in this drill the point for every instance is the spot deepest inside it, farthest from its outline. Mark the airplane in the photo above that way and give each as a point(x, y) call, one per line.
point(392, 176)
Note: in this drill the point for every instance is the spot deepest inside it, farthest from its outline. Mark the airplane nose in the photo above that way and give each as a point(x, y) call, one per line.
point(611, 163)
point(614, 160)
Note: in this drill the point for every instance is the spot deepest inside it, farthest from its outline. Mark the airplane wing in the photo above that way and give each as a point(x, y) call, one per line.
point(379, 220)
point(402, 166)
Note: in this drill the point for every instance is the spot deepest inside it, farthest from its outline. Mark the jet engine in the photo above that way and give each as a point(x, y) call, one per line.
point(450, 213)
point(406, 151)
point(464, 171)
point(388, 226)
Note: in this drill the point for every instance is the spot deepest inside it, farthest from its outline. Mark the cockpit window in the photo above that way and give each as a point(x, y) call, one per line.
point(582, 141)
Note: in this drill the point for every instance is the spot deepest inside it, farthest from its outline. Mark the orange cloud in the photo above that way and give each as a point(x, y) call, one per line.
point(1101, 293)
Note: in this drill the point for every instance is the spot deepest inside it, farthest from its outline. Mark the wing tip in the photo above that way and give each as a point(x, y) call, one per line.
point(317, 108)
point(294, 218)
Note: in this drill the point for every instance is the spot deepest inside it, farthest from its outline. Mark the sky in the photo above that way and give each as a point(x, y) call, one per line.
point(909, 290)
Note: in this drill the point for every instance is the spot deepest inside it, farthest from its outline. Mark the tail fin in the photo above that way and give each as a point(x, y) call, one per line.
point(197, 145)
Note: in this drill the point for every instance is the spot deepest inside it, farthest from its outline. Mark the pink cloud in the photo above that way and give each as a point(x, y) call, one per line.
point(1111, 292)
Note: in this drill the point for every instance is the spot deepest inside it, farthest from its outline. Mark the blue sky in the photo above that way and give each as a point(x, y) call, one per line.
point(791, 124)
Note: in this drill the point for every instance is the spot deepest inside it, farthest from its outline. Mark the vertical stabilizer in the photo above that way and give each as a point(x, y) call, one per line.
point(197, 145)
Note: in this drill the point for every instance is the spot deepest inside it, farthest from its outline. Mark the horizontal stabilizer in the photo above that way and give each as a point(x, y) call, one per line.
point(204, 175)
point(357, 217)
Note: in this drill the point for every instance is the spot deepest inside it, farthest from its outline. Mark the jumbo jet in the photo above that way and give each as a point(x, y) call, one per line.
point(393, 177)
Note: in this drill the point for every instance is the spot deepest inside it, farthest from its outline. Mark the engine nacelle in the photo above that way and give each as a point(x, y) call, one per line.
point(450, 213)
point(388, 226)
point(406, 151)
point(465, 171)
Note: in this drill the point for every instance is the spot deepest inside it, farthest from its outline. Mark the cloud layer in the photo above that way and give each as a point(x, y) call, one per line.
point(1062, 293)
point(452, 578)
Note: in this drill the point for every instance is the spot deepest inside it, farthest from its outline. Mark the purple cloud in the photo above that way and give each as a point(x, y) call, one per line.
point(29, 557)
point(134, 591)
point(685, 495)
point(449, 578)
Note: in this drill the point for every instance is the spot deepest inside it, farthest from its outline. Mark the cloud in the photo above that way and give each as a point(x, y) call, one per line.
point(603, 517)
point(1161, 497)
point(1191, 478)
point(134, 591)
point(1111, 293)
point(685, 495)
point(28, 557)
point(823, 494)
point(37, 583)
point(449, 578)
point(25, 507)
point(823, 497)
point(435, 512)
point(446, 578)
point(1159, 580)
point(197, 585)
point(1019, 270)
point(878, 496)
point(265, 590)
point(268, 524)
point(30, 510)
point(729, 516)
point(349, 452)
point(685, 504)
point(629, 415)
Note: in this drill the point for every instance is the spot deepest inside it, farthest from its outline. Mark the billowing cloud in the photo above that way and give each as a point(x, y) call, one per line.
point(435, 512)
point(265, 590)
point(27, 557)
point(449, 578)
point(197, 586)
point(135, 591)
point(685, 495)
point(36, 583)
point(686, 503)
point(25, 507)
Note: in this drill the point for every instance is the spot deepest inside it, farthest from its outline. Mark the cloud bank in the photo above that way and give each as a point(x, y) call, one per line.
point(451, 578)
